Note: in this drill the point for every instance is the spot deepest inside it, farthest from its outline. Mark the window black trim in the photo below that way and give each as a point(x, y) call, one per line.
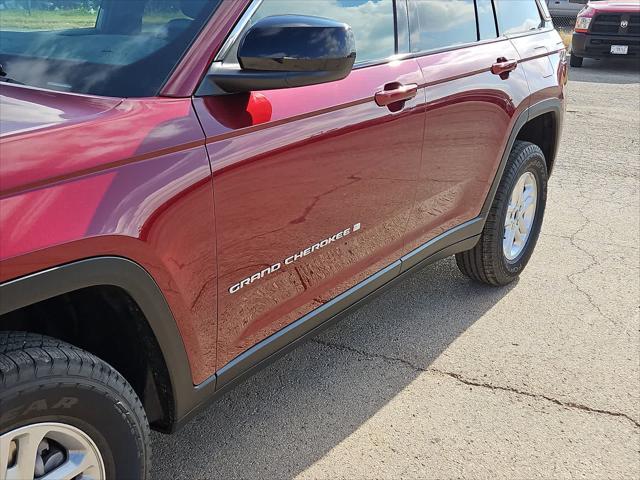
point(470, 44)
point(495, 20)
point(544, 28)
point(395, 26)
point(475, 9)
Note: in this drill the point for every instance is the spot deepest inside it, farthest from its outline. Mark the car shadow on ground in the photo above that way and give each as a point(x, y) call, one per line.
point(291, 414)
point(609, 70)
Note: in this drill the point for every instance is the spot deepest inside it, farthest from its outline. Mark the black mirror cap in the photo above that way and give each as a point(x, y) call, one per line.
point(285, 51)
point(296, 43)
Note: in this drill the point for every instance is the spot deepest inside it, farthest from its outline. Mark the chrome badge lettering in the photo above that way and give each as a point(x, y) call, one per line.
point(294, 258)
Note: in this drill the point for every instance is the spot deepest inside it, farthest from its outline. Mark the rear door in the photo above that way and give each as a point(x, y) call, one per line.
point(313, 186)
point(471, 108)
point(541, 50)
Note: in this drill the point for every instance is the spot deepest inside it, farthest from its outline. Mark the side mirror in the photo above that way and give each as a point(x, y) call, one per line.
point(289, 51)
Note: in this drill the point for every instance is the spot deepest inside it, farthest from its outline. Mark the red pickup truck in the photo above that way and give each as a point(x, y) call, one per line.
point(190, 188)
point(607, 28)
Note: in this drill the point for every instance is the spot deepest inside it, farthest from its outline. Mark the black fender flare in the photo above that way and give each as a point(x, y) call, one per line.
point(550, 105)
point(138, 283)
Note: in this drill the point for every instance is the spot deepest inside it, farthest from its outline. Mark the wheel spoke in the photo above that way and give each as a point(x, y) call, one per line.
point(529, 202)
point(518, 237)
point(76, 464)
point(28, 443)
point(523, 233)
point(5, 452)
point(520, 188)
point(509, 237)
point(522, 228)
point(510, 211)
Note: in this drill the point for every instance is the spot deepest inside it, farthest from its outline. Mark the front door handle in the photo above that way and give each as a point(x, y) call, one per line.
point(503, 67)
point(395, 93)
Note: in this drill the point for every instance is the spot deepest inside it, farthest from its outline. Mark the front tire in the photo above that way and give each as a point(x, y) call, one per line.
point(65, 413)
point(513, 224)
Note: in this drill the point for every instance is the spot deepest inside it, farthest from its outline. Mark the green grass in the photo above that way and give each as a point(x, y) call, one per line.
point(63, 19)
point(46, 20)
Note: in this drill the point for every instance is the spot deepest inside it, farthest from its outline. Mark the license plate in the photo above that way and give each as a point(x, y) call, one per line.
point(619, 49)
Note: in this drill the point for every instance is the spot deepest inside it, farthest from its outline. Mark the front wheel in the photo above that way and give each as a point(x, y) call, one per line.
point(513, 224)
point(64, 413)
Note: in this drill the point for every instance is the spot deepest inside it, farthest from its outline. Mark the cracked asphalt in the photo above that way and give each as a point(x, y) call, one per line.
point(443, 378)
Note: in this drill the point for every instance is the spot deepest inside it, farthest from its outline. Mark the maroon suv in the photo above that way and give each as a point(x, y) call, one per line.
point(190, 188)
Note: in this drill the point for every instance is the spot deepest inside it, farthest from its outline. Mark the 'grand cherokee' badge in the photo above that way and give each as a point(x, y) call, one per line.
point(294, 258)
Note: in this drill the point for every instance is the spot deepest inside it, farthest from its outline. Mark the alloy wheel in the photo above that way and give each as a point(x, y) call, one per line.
point(47, 451)
point(520, 217)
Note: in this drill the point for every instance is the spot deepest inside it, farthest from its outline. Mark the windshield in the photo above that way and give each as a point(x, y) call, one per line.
point(120, 48)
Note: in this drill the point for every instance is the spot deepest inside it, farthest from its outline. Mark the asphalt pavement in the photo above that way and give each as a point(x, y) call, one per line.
point(443, 378)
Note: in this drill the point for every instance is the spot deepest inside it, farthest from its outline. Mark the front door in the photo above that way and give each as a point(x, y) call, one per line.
point(313, 186)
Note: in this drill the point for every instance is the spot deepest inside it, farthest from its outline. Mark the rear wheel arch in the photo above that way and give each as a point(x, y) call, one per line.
point(542, 129)
point(549, 110)
point(115, 288)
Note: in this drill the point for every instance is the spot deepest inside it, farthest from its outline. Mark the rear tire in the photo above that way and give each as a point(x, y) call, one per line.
point(575, 61)
point(491, 261)
point(77, 401)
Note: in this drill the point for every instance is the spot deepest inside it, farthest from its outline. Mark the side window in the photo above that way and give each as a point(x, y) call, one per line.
point(372, 21)
point(442, 23)
point(517, 16)
point(486, 20)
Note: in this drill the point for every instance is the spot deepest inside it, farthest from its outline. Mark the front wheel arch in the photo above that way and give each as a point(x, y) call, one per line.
point(134, 291)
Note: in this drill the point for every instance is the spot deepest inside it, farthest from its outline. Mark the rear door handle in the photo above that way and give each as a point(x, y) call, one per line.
point(503, 67)
point(394, 93)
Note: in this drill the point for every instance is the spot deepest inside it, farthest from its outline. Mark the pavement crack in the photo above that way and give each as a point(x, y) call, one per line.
point(594, 262)
point(572, 405)
point(591, 242)
point(474, 383)
point(371, 356)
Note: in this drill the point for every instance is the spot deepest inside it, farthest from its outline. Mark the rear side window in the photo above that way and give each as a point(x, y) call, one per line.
point(517, 16)
point(372, 21)
point(486, 20)
point(442, 23)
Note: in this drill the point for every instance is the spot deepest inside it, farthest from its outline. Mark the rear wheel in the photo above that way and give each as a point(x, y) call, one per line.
point(514, 221)
point(575, 60)
point(64, 413)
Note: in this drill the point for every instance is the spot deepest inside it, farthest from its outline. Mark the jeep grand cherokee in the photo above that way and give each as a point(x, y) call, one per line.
point(190, 188)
